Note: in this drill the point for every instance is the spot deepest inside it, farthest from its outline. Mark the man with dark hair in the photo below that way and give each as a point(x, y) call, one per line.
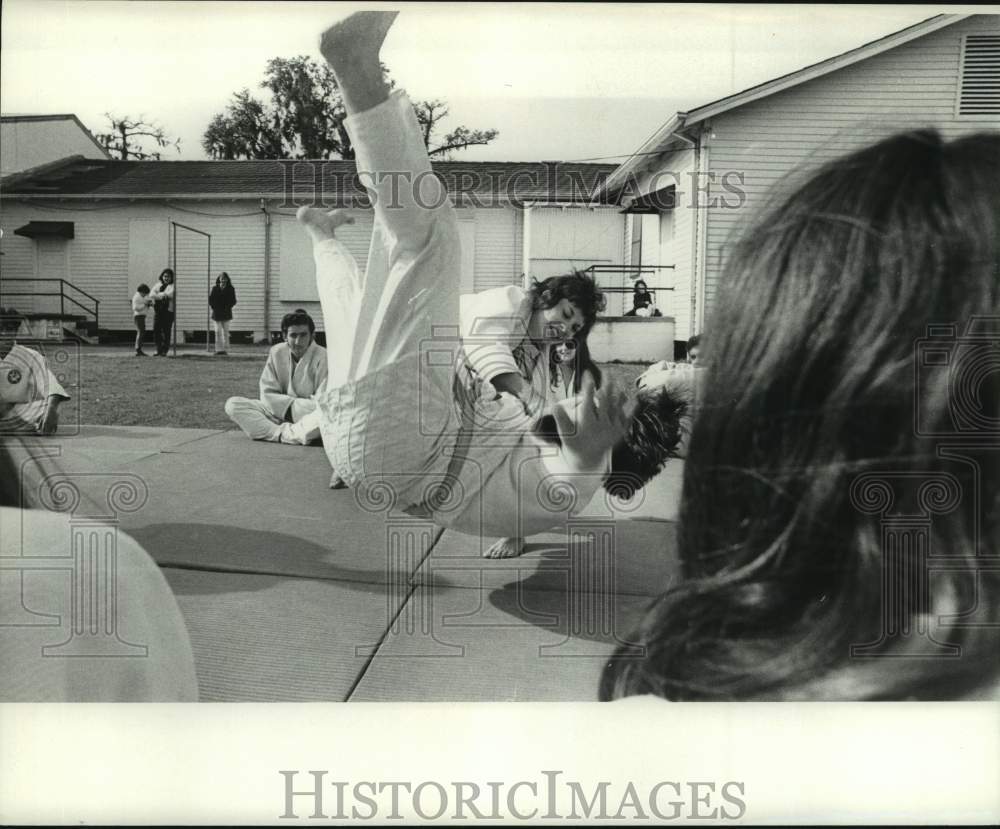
point(294, 374)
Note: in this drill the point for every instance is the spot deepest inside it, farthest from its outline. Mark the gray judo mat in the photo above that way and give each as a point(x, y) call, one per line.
point(294, 592)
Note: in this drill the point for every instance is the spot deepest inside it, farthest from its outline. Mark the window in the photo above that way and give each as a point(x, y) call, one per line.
point(979, 92)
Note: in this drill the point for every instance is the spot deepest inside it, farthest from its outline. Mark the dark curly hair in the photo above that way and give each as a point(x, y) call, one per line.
point(297, 317)
point(652, 439)
point(579, 288)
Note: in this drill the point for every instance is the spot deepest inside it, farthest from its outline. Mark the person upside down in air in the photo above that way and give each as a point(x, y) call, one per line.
point(402, 416)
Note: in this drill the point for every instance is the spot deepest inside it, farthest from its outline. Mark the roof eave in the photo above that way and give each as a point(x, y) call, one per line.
point(657, 142)
point(256, 197)
point(824, 67)
point(40, 169)
point(654, 144)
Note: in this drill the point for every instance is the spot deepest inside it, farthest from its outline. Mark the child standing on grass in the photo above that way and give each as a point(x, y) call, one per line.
point(140, 305)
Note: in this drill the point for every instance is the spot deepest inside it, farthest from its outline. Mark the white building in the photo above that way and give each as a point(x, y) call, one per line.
point(28, 141)
point(707, 171)
point(105, 226)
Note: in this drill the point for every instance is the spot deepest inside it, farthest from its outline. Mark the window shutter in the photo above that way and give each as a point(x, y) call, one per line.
point(980, 90)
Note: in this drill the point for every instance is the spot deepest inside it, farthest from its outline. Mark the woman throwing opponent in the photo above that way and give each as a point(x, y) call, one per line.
point(402, 417)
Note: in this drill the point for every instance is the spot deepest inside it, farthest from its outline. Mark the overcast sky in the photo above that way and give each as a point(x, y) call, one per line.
point(559, 81)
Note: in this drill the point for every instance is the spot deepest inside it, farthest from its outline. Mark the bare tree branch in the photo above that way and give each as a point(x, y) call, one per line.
point(126, 135)
point(303, 117)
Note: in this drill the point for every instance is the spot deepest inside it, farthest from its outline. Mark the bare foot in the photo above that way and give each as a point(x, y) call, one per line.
point(505, 548)
point(356, 38)
point(321, 224)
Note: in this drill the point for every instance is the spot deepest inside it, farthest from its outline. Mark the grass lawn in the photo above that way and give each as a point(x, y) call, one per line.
point(187, 391)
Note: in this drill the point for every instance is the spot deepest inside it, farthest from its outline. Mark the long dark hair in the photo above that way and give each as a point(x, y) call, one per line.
point(817, 403)
point(226, 293)
point(166, 272)
point(582, 362)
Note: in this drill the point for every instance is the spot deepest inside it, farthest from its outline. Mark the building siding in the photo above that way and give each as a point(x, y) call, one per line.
point(778, 139)
point(680, 250)
point(99, 255)
point(18, 261)
point(355, 236)
point(498, 247)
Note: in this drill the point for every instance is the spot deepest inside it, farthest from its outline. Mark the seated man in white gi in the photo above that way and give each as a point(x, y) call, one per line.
point(294, 374)
point(30, 394)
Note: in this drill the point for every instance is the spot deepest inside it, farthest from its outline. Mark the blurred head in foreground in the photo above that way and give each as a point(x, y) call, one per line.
point(855, 351)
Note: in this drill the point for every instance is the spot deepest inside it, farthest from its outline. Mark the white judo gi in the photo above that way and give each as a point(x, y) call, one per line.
point(397, 419)
point(156, 664)
point(26, 384)
point(496, 340)
point(286, 410)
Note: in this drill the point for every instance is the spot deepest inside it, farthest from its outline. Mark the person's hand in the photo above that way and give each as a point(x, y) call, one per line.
point(592, 423)
point(49, 421)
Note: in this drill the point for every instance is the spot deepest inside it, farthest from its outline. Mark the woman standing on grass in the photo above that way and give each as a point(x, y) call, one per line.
point(163, 296)
point(221, 301)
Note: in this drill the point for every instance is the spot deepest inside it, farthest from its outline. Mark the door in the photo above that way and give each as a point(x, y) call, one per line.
point(50, 263)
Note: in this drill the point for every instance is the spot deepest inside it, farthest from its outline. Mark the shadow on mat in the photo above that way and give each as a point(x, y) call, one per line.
point(575, 593)
point(254, 552)
point(592, 616)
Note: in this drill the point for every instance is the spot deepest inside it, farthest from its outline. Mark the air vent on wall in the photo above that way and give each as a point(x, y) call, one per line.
point(980, 92)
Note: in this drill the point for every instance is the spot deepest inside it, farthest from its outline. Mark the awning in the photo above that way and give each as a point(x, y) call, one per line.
point(46, 230)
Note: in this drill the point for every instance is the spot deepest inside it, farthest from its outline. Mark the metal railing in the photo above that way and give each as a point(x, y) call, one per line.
point(64, 297)
point(633, 272)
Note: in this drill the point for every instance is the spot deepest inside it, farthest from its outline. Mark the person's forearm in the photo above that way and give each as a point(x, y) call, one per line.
point(510, 382)
point(302, 406)
point(49, 421)
point(279, 403)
